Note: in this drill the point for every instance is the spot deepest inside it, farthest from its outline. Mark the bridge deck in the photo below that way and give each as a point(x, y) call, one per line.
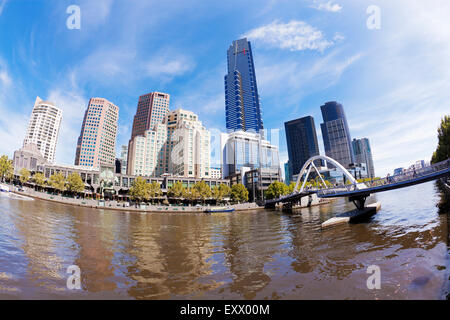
point(333, 193)
point(423, 175)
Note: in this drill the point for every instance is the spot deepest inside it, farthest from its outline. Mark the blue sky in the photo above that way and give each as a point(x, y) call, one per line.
point(394, 82)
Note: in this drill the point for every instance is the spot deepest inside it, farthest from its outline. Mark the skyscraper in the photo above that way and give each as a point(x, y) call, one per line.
point(152, 109)
point(179, 146)
point(242, 106)
point(43, 128)
point(335, 133)
point(97, 141)
point(301, 141)
point(363, 154)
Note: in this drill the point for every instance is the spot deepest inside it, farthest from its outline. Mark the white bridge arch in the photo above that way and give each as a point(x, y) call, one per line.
point(310, 164)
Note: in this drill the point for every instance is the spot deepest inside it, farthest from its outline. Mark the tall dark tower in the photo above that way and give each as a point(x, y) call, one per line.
point(335, 133)
point(242, 106)
point(302, 143)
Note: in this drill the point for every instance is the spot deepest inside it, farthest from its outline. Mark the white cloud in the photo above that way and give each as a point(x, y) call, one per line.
point(326, 6)
point(95, 13)
point(120, 66)
point(294, 35)
point(12, 123)
point(168, 66)
point(5, 78)
point(288, 80)
point(2, 5)
point(73, 105)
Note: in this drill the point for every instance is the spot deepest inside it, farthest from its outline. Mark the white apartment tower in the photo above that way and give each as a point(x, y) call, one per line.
point(146, 152)
point(43, 128)
point(189, 146)
point(179, 146)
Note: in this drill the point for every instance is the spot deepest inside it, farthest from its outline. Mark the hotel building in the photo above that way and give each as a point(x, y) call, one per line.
point(97, 142)
point(43, 128)
point(152, 109)
point(188, 145)
point(179, 146)
point(146, 152)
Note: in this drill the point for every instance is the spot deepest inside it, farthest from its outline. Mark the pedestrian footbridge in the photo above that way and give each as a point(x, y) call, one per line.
point(358, 192)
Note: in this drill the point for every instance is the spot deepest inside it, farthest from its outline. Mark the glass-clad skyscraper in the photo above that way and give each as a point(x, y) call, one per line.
point(335, 133)
point(301, 141)
point(242, 106)
point(363, 154)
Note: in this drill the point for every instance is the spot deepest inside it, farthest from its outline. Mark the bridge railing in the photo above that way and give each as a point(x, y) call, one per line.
point(409, 174)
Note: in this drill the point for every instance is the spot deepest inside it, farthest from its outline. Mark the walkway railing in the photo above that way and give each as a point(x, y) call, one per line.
point(409, 175)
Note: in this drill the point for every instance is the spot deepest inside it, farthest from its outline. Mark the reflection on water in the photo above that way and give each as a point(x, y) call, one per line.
point(250, 255)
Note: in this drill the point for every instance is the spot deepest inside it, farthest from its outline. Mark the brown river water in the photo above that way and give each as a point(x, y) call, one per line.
point(259, 254)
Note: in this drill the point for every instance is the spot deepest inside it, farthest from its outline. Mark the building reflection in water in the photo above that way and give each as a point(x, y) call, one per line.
point(244, 255)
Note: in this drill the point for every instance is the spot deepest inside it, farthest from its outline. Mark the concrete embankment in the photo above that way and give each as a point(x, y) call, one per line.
point(114, 205)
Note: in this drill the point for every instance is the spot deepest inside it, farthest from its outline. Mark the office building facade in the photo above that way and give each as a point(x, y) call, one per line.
point(43, 128)
point(336, 134)
point(363, 154)
point(301, 139)
point(152, 109)
point(249, 159)
point(97, 141)
point(242, 107)
point(287, 173)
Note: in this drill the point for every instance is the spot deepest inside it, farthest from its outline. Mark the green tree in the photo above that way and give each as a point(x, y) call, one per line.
point(24, 175)
point(176, 191)
point(74, 183)
point(443, 149)
point(191, 194)
point(292, 187)
point(239, 193)
point(39, 179)
point(203, 190)
point(139, 190)
point(276, 189)
point(220, 192)
point(6, 168)
point(153, 190)
point(58, 182)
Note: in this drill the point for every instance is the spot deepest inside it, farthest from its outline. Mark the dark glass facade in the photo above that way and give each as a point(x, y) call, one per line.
point(302, 143)
point(336, 134)
point(242, 108)
point(363, 154)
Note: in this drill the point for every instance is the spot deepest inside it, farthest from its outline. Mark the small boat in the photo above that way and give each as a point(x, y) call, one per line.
point(4, 188)
point(218, 209)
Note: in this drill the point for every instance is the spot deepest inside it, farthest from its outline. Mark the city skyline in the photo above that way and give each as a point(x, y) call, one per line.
point(294, 76)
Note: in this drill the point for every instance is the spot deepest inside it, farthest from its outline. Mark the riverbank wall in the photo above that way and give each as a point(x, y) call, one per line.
point(120, 206)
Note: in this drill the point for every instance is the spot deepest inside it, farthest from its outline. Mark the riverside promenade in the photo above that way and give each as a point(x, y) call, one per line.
point(121, 206)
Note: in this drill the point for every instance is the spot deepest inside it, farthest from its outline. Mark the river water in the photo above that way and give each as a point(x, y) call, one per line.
point(259, 254)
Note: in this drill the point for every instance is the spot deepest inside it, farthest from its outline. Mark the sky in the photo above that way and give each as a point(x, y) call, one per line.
point(393, 80)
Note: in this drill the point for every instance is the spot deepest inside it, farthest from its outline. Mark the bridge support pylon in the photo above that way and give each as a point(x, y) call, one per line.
point(359, 201)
